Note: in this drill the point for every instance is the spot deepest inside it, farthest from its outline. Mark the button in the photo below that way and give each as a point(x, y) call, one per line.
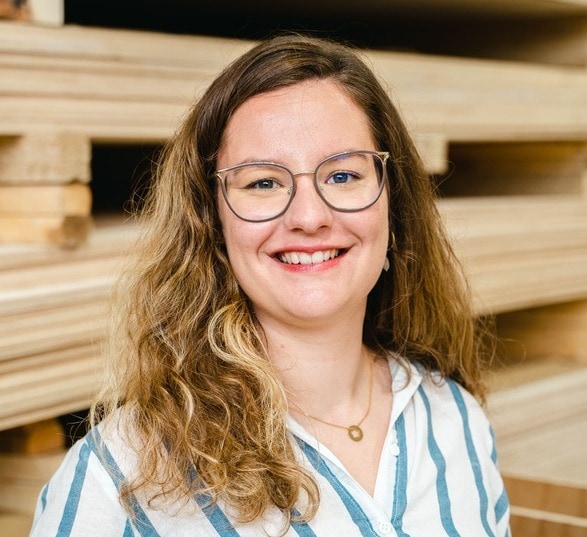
point(384, 527)
point(394, 450)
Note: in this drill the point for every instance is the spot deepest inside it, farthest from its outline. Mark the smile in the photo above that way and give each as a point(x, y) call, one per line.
point(304, 258)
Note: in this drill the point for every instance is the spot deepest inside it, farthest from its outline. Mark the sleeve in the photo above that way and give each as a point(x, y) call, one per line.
point(482, 453)
point(80, 499)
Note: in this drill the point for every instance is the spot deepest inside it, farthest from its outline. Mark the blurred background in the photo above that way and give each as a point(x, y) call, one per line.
point(495, 95)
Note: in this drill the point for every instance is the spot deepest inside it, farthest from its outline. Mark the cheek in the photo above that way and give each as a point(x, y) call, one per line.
point(243, 240)
point(379, 228)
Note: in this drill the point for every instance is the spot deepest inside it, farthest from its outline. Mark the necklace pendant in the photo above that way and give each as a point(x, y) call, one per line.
point(355, 433)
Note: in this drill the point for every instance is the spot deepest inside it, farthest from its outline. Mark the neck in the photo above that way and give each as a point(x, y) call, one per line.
point(325, 372)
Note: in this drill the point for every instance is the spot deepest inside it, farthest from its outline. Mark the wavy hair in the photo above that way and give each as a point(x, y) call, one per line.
point(189, 372)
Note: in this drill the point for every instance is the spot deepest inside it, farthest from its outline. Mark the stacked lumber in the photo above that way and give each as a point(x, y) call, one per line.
point(28, 457)
point(541, 431)
point(53, 303)
point(44, 191)
point(121, 85)
point(517, 217)
point(53, 313)
point(520, 251)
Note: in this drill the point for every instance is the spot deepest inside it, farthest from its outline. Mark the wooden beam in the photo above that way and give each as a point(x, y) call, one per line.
point(522, 251)
point(531, 522)
point(553, 330)
point(65, 231)
point(73, 199)
point(45, 158)
point(49, 384)
point(433, 150)
point(34, 332)
point(15, 524)
point(547, 495)
point(47, 12)
point(436, 94)
point(540, 429)
point(539, 405)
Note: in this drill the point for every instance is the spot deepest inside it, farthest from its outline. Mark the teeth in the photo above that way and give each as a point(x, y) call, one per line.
point(303, 258)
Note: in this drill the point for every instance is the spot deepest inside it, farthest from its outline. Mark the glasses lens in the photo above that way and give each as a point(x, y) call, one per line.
point(258, 192)
point(351, 181)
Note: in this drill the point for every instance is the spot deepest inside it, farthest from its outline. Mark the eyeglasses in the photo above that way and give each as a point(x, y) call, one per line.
point(262, 191)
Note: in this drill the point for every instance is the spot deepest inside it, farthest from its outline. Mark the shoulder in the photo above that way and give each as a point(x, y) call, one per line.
point(84, 489)
point(431, 402)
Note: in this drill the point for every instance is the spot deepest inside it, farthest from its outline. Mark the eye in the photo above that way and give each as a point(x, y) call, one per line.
point(341, 178)
point(264, 184)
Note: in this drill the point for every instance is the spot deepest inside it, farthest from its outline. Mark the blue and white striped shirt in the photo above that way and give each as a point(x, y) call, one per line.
point(437, 476)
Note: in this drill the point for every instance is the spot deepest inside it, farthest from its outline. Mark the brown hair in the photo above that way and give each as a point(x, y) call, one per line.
point(188, 364)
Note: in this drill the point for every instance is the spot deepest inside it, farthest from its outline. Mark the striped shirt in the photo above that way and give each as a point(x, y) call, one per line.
point(437, 476)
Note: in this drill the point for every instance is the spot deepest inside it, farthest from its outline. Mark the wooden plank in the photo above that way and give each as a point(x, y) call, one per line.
point(101, 120)
point(80, 290)
point(19, 496)
point(46, 158)
point(528, 283)
point(553, 330)
point(38, 467)
point(47, 12)
point(74, 199)
point(520, 101)
point(548, 452)
point(55, 382)
point(520, 252)
point(15, 525)
point(539, 405)
point(68, 387)
point(149, 48)
point(78, 268)
point(437, 95)
point(111, 237)
point(533, 523)
point(25, 75)
point(79, 400)
point(433, 150)
point(65, 231)
point(548, 495)
point(36, 332)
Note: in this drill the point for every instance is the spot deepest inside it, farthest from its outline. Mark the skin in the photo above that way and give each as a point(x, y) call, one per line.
point(312, 314)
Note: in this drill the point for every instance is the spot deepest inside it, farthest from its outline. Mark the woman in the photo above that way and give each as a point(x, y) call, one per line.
point(295, 352)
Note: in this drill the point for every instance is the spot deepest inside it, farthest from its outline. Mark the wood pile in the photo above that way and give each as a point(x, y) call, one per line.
point(505, 140)
point(53, 313)
point(28, 458)
point(541, 431)
point(520, 251)
point(44, 191)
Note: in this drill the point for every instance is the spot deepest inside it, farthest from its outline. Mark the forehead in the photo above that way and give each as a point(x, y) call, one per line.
point(311, 119)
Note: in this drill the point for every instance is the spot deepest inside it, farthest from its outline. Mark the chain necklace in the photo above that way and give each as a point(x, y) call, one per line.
point(354, 431)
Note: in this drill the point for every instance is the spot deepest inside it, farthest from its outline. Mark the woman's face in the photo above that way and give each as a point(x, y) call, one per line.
point(311, 265)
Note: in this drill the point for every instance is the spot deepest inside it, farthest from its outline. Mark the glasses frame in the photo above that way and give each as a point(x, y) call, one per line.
point(382, 155)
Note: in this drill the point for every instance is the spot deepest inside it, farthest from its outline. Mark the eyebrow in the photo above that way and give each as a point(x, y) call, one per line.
point(269, 161)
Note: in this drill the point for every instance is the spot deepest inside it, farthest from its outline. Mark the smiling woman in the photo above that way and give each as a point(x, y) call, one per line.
point(293, 351)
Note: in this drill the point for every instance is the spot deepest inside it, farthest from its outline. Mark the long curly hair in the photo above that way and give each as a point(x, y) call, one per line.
point(189, 372)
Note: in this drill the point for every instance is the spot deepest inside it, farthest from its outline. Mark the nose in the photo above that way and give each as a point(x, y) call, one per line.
point(307, 210)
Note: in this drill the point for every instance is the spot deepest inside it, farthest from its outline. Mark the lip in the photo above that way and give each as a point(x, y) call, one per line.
point(297, 258)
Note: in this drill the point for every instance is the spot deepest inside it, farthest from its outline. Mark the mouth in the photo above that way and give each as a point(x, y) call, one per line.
point(305, 258)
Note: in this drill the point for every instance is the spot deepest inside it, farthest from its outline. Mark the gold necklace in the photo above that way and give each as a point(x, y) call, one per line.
point(354, 431)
